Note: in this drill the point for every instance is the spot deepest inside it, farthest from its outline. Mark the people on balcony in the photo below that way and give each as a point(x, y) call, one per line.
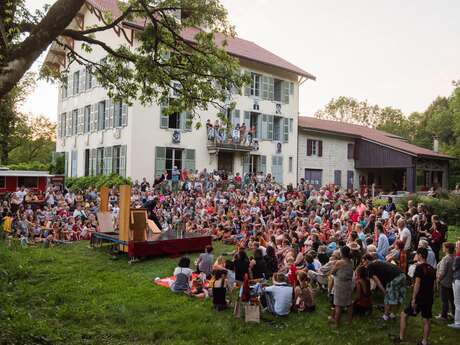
point(238, 134)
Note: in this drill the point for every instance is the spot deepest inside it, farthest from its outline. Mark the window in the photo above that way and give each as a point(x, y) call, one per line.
point(28, 181)
point(254, 164)
point(119, 160)
point(291, 125)
point(314, 177)
point(73, 163)
point(2, 182)
point(277, 128)
point(101, 116)
point(174, 121)
point(255, 84)
point(314, 148)
point(173, 159)
point(291, 162)
point(87, 162)
point(350, 179)
point(87, 119)
point(338, 177)
point(351, 151)
point(76, 82)
point(74, 122)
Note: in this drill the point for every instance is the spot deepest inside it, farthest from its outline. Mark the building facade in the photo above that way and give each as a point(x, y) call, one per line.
point(101, 136)
point(353, 156)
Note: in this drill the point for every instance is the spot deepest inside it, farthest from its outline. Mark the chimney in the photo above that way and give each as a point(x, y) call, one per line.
point(435, 144)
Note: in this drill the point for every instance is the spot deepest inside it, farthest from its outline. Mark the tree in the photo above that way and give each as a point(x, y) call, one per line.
point(13, 124)
point(164, 59)
point(350, 110)
point(39, 141)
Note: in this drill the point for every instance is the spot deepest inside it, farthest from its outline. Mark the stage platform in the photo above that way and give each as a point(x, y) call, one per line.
point(170, 243)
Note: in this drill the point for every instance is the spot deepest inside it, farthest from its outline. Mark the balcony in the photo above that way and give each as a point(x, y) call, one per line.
point(223, 142)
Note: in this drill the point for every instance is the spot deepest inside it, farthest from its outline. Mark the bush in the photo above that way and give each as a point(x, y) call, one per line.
point(30, 166)
point(447, 208)
point(81, 184)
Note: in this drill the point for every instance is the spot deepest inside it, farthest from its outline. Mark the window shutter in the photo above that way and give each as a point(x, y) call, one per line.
point(82, 80)
point(160, 160)
point(123, 158)
point(188, 121)
point(270, 119)
point(291, 125)
point(247, 87)
point(235, 117)
point(108, 160)
point(92, 162)
point(291, 88)
point(63, 124)
point(188, 157)
point(81, 119)
point(285, 92)
point(95, 116)
point(264, 127)
point(320, 148)
point(69, 118)
point(338, 177)
point(164, 119)
point(66, 163)
point(263, 164)
point(124, 115)
point(58, 126)
point(70, 84)
point(247, 118)
point(308, 147)
point(108, 113)
point(286, 130)
point(246, 163)
point(271, 88)
point(265, 87)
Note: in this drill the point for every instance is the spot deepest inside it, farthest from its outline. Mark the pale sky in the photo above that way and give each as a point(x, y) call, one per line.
point(390, 52)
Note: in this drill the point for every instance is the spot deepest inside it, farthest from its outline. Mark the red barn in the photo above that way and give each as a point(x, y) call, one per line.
point(10, 180)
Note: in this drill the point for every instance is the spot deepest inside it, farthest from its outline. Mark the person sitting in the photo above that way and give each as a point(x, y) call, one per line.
point(304, 300)
point(219, 290)
point(258, 266)
point(183, 275)
point(278, 297)
point(362, 305)
point(198, 290)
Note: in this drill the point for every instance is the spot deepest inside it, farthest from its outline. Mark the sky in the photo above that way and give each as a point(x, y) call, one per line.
point(389, 52)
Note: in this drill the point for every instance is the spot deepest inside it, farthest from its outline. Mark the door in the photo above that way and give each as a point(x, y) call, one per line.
point(314, 177)
point(225, 162)
point(277, 168)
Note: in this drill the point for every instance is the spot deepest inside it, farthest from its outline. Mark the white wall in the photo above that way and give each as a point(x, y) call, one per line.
point(335, 149)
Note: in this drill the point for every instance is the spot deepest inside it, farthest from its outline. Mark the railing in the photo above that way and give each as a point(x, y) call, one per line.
point(231, 140)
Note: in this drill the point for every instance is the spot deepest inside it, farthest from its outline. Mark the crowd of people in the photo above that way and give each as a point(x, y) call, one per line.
point(303, 240)
point(229, 133)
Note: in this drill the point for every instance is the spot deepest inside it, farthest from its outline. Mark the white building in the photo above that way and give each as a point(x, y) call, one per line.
point(99, 136)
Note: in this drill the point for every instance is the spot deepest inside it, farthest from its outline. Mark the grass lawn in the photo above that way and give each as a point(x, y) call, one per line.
point(76, 295)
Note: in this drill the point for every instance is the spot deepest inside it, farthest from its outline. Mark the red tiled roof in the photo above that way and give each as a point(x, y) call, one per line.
point(235, 46)
point(367, 133)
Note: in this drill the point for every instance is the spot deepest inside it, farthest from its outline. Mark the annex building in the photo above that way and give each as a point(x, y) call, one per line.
point(100, 136)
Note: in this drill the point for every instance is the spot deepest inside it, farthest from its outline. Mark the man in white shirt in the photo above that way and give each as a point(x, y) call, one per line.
point(404, 234)
point(279, 295)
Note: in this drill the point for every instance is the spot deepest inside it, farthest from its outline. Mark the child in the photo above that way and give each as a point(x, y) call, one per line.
point(219, 290)
point(363, 304)
point(303, 293)
point(198, 289)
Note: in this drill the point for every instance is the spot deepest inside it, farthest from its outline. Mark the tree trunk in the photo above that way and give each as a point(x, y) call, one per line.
point(21, 57)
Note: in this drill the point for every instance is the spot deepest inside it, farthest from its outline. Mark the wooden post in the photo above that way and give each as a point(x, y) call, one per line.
point(125, 206)
point(104, 193)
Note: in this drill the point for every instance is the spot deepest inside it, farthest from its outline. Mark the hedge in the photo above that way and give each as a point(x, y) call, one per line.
point(37, 166)
point(446, 207)
point(81, 184)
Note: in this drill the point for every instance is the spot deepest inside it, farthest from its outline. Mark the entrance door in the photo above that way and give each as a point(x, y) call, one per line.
point(225, 162)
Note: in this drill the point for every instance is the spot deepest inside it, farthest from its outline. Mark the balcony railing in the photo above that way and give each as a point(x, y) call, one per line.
point(223, 141)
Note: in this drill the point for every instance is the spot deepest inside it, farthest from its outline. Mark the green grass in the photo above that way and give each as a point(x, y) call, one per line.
point(76, 295)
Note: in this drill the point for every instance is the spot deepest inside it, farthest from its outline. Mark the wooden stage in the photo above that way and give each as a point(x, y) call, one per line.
point(169, 243)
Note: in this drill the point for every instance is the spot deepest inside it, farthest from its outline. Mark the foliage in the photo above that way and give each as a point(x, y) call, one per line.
point(34, 165)
point(73, 295)
point(165, 60)
point(80, 184)
point(13, 123)
point(447, 208)
point(57, 165)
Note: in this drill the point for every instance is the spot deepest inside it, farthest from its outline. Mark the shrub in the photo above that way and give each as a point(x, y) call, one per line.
point(447, 208)
point(29, 166)
point(80, 184)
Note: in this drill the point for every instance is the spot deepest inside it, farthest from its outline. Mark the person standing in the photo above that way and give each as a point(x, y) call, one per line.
point(445, 281)
point(456, 286)
point(422, 297)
